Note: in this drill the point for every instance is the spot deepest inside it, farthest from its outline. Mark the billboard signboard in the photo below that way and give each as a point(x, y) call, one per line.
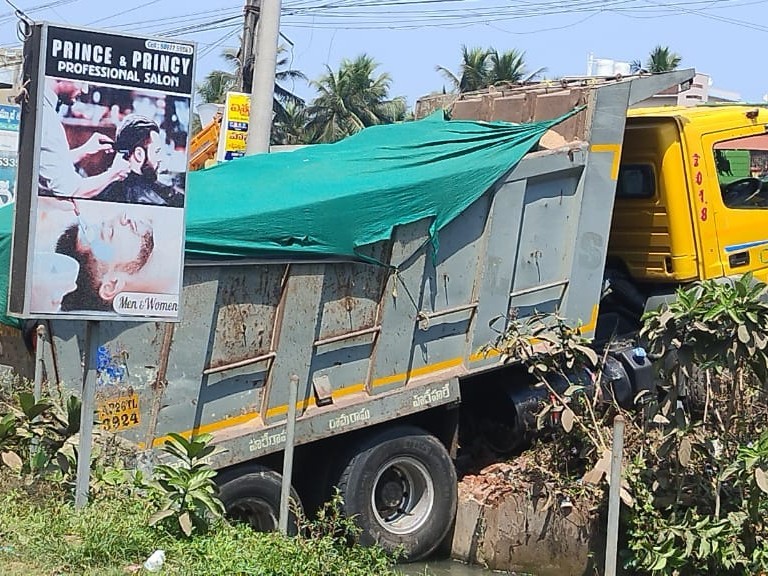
point(9, 145)
point(234, 124)
point(99, 220)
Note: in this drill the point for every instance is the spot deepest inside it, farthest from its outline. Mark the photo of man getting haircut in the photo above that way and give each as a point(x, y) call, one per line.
point(112, 144)
point(60, 163)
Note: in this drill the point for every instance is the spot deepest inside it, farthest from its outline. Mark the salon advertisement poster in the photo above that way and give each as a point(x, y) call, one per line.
point(10, 117)
point(105, 181)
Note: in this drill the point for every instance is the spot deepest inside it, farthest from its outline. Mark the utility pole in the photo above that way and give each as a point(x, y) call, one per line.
point(262, 94)
point(251, 13)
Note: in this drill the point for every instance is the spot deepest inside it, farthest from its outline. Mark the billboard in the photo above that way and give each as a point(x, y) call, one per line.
point(10, 117)
point(234, 124)
point(99, 220)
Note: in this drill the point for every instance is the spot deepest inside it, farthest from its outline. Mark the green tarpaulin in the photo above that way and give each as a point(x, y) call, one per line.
point(333, 199)
point(6, 227)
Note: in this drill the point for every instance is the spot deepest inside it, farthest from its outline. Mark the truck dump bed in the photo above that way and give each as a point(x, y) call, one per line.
point(369, 343)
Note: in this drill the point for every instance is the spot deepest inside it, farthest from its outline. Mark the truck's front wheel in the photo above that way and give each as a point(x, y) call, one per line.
point(400, 486)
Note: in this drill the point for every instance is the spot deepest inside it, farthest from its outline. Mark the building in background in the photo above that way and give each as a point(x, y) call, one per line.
point(699, 91)
point(10, 73)
point(10, 117)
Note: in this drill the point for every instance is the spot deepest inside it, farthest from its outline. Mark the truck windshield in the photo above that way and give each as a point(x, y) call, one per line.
point(742, 171)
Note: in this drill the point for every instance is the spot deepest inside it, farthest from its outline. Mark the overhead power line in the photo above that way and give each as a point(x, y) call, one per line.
point(412, 14)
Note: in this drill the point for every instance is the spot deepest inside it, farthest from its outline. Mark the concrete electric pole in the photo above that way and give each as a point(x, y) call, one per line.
point(262, 94)
point(251, 13)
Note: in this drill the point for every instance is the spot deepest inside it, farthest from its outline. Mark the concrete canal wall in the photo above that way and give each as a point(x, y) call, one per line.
point(502, 527)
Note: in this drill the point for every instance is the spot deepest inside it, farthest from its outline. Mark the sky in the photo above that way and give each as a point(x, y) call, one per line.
point(409, 38)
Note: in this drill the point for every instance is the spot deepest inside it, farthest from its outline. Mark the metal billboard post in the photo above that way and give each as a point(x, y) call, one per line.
point(614, 497)
point(39, 357)
point(290, 437)
point(87, 408)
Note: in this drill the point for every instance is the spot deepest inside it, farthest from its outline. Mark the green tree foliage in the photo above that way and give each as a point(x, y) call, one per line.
point(186, 491)
point(700, 476)
point(474, 70)
point(290, 128)
point(483, 67)
point(510, 67)
point(217, 83)
point(350, 99)
point(661, 59)
point(215, 86)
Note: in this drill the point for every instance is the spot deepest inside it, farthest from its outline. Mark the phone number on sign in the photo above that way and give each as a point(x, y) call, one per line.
point(119, 413)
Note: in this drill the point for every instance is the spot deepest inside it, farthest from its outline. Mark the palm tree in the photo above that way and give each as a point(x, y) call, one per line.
point(474, 67)
point(284, 74)
point(292, 127)
point(217, 83)
point(232, 57)
point(661, 59)
point(510, 67)
point(351, 99)
point(215, 86)
point(481, 67)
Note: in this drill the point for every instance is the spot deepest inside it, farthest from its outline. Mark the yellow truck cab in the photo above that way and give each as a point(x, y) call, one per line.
point(691, 200)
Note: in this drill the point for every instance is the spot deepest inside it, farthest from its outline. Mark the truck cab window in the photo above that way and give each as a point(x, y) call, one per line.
point(742, 172)
point(636, 181)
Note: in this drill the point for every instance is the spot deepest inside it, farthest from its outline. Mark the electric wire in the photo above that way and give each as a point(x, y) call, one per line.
point(411, 14)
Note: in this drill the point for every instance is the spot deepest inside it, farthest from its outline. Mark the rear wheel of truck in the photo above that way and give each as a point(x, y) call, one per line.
point(400, 486)
point(253, 498)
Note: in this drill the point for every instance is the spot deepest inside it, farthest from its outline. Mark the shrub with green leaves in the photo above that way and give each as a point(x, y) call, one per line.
point(186, 491)
point(42, 534)
point(699, 474)
point(34, 434)
point(572, 412)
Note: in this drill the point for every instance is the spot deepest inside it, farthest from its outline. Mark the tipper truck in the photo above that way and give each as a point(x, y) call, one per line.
point(385, 344)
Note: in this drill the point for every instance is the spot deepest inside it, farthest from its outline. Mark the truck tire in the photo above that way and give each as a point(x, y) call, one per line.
point(254, 498)
point(400, 487)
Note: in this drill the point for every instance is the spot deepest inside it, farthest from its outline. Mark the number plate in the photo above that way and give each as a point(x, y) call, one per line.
point(119, 413)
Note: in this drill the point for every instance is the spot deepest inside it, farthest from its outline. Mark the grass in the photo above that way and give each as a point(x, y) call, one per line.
point(41, 534)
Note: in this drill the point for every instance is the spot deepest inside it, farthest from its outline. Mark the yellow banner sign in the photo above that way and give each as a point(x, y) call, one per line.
point(234, 126)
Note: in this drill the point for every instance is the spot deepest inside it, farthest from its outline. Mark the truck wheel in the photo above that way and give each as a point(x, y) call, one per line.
point(254, 498)
point(400, 486)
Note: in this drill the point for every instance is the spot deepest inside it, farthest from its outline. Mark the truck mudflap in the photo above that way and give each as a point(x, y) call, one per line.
point(250, 440)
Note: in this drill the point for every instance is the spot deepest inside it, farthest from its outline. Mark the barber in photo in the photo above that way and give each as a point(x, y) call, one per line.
point(58, 174)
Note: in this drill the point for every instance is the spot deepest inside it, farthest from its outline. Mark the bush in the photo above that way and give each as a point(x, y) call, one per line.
point(700, 474)
point(128, 518)
point(43, 534)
